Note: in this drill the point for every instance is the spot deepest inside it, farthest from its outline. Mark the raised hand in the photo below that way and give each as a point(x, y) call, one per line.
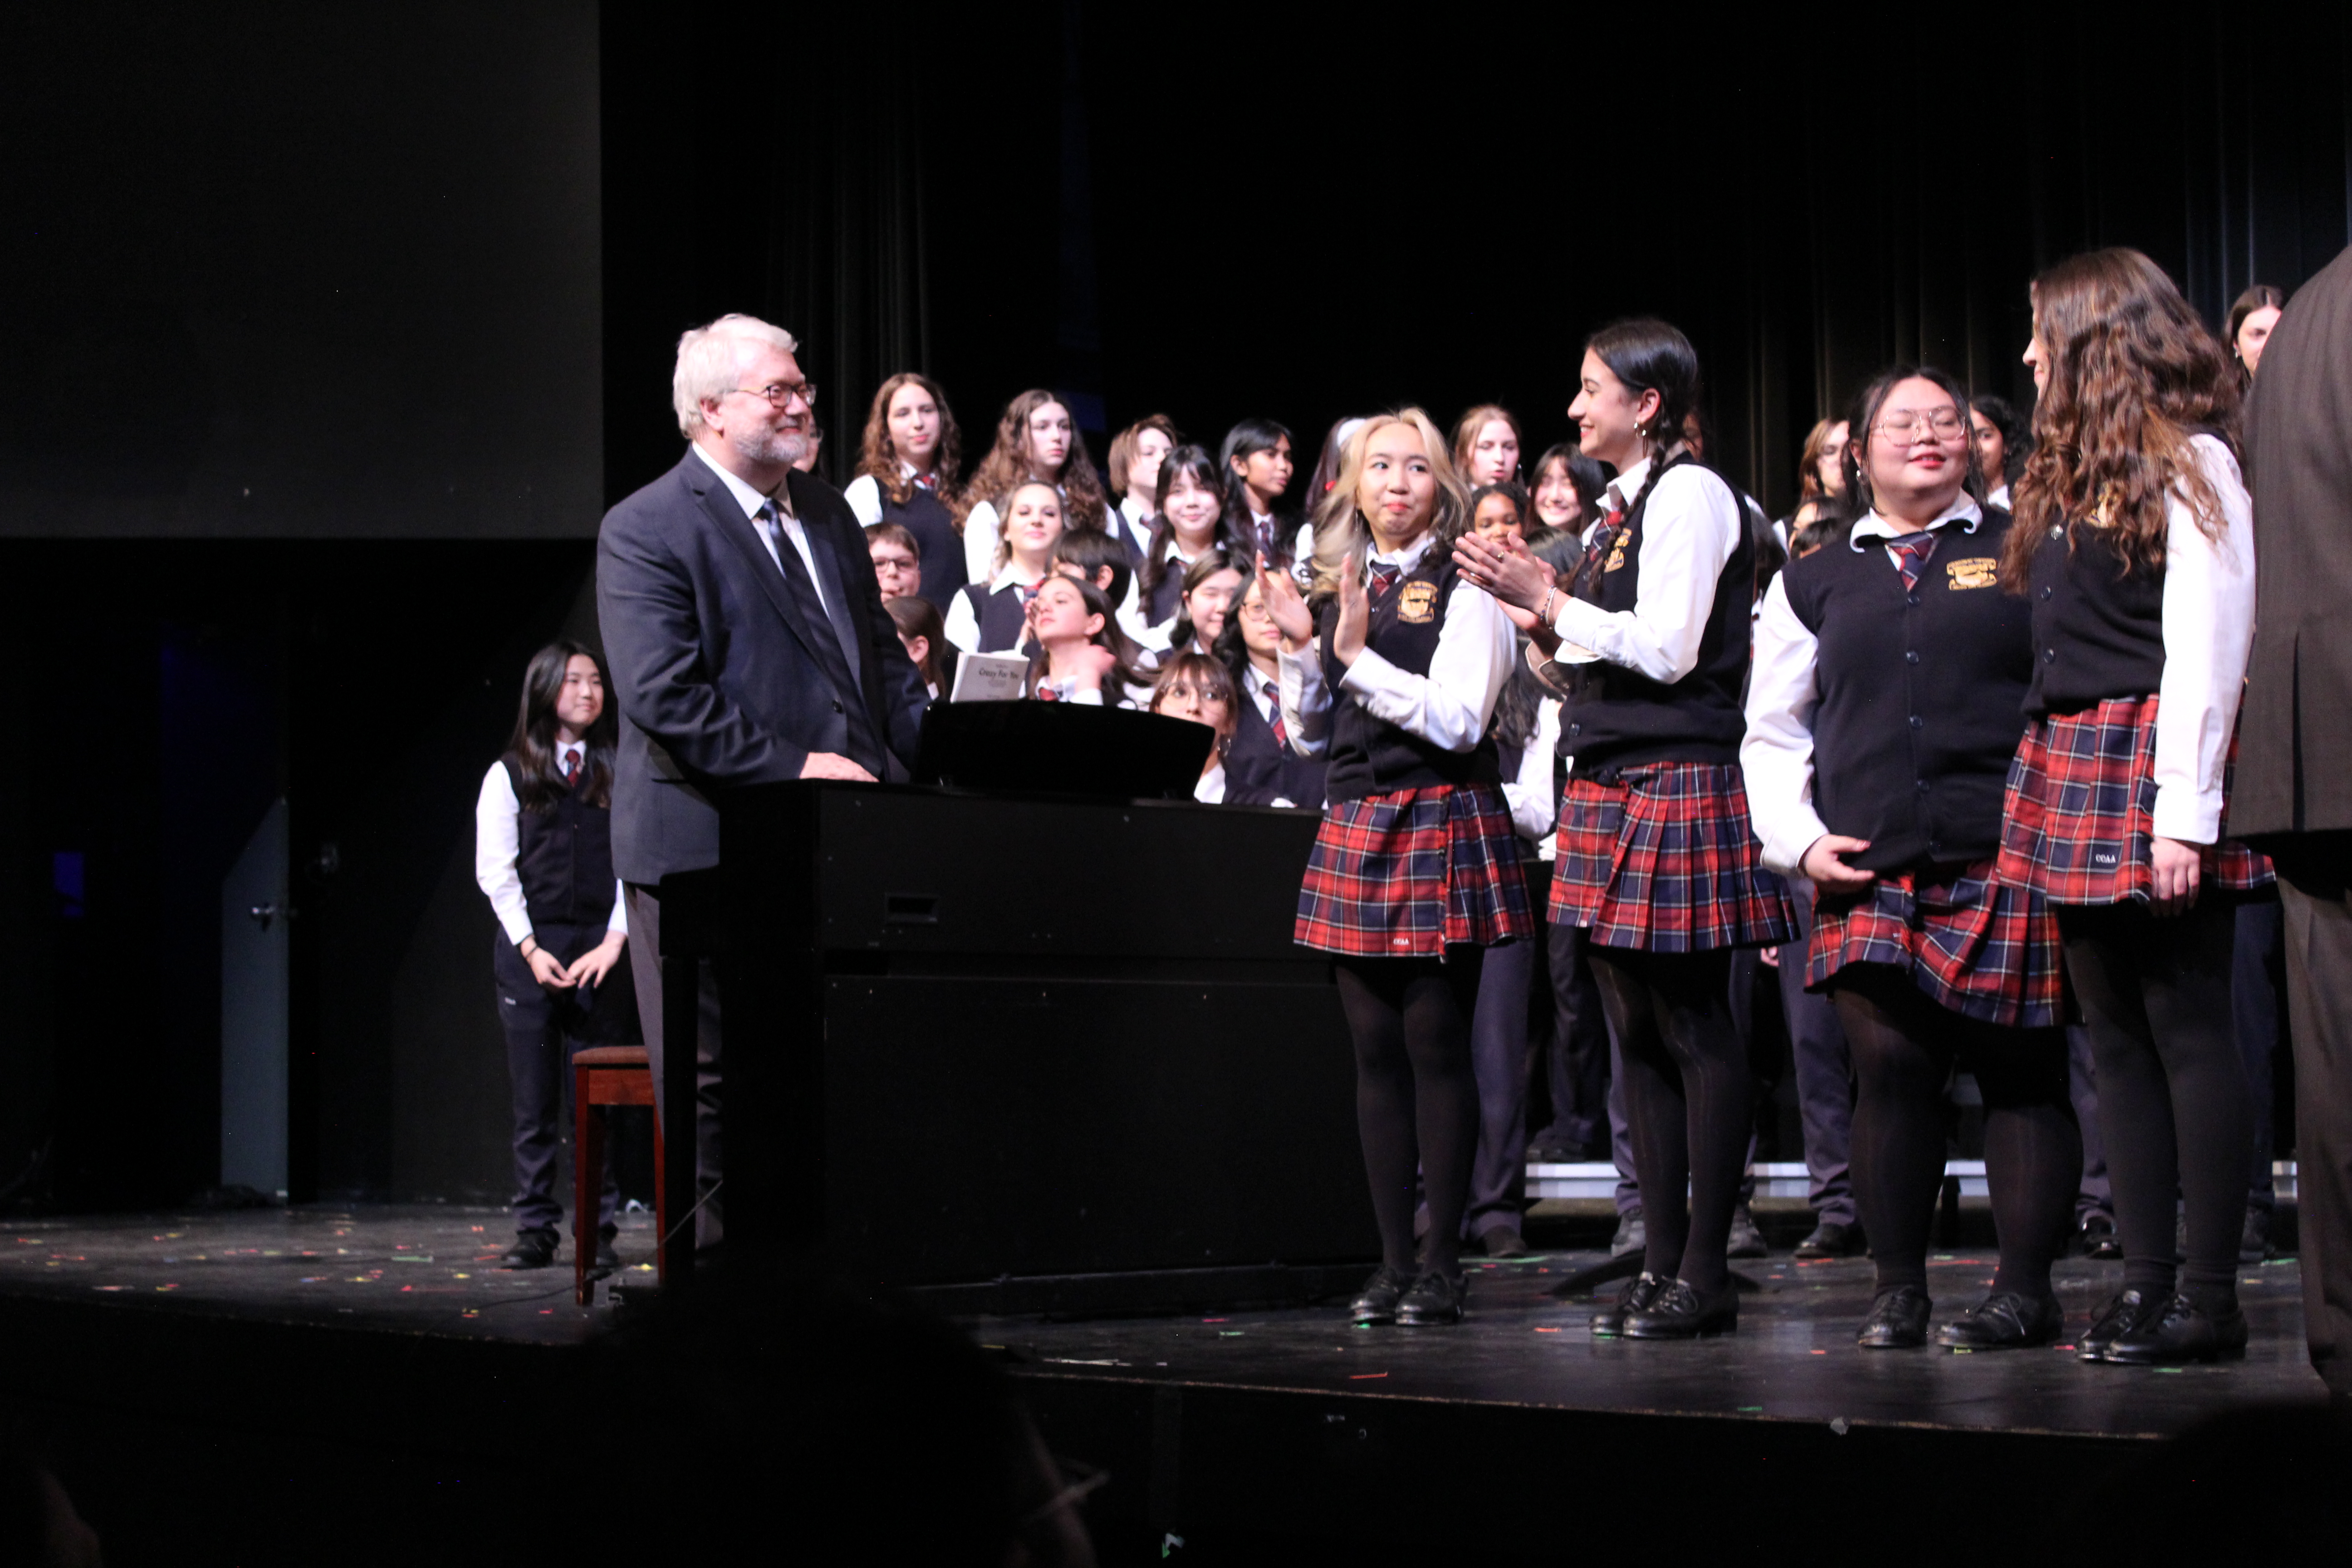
point(1288, 608)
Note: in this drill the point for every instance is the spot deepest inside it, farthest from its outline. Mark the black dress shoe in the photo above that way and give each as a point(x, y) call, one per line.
point(1680, 1312)
point(2005, 1321)
point(1831, 1238)
point(1377, 1301)
point(2179, 1332)
point(1632, 1235)
point(1898, 1320)
point(2098, 1236)
point(1746, 1240)
point(1639, 1293)
point(2254, 1241)
point(1503, 1242)
point(2117, 1318)
point(1434, 1298)
point(608, 1258)
point(533, 1250)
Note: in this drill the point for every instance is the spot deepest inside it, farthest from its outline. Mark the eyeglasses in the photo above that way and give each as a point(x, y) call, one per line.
point(1943, 423)
point(781, 393)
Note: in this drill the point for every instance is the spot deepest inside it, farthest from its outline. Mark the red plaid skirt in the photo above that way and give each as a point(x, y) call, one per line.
point(1662, 857)
point(2078, 821)
point(1410, 874)
point(1980, 947)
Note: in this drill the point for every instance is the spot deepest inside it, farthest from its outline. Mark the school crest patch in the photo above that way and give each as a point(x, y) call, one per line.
point(1417, 605)
point(1976, 572)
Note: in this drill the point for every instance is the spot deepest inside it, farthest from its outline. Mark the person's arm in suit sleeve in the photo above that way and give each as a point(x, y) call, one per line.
point(645, 607)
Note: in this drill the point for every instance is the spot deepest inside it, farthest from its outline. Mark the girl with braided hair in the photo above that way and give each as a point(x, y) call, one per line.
point(1656, 860)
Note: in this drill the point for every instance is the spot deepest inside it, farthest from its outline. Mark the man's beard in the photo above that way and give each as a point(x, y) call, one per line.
point(781, 449)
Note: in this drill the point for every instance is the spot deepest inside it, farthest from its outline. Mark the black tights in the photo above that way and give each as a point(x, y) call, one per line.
point(1416, 1102)
point(2172, 1089)
point(1903, 1044)
point(1687, 1089)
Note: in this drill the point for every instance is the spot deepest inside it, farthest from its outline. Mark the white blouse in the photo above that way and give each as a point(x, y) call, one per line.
point(1690, 527)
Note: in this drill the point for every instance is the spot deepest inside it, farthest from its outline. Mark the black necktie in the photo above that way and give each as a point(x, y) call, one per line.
point(824, 640)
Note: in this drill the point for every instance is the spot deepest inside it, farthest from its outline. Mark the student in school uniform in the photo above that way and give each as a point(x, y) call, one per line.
point(1565, 492)
point(543, 857)
point(1196, 687)
point(1077, 653)
point(1194, 521)
point(1211, 585)
point(1393, 676)
point(907, 464)
point(2000, 442)
point(1261, 767)
point(1133, 470)
point(1103, 560)
point(1656, 859)
point(988, 615)
point(898, 560)
point(1486, 445)
point(1256, 464)
point(1882, 713)
point(924, 637)
point(1035, 441)
point(2133, 543)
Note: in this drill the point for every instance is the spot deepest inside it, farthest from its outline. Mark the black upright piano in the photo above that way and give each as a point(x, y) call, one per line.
point(987, 1037)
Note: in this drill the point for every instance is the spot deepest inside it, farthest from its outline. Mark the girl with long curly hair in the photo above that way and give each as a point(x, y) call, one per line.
point(1393, 672)
point(907, 464)
point(2134, 546)
point(1036, 440)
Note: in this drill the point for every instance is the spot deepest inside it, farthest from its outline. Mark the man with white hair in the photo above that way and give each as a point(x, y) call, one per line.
point(748, 646)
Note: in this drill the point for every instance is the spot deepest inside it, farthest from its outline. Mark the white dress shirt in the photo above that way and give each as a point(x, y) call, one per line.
point(1690, 527)
point(1136, 512)
point(498, 842)
point(1449, 706)
point(1534, 807)
point(1998, 497)
point(1210, 789)
point(752, 501)
point(962, 625)
point(1776, 755)
point(2209, 629)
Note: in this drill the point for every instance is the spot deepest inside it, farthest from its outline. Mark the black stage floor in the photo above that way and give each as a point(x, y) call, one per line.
point(216, 1387)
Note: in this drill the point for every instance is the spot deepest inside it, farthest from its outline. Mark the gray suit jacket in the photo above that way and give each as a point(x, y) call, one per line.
point(713, 671)
point(2294, 745)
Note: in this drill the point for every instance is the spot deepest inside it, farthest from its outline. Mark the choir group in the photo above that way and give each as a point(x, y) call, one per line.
point(1949, 743)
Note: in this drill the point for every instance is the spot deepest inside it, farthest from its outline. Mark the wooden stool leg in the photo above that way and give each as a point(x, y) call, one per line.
point(661, 1204)
point(587, 1184)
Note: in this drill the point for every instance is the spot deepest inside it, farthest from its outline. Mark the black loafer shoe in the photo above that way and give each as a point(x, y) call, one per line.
point(1898, 1320)
point(1746, 1240)
point(1831, 1238)
point(1434, 1298)
point(2098, 1236)
point(1640, 1291)
point(2005, 1321)
point(2117, 1318)
point(608, 1258)
point(2254, 1241)
point(1632, 1235)
point(1503, 1242)
point(1681, 1312)
point(2178, 1332)
point(1377, 1301)
point(533, 1250)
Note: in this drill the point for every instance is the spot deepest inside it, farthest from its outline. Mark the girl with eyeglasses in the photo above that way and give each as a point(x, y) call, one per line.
point(1882, 714)
point(1195, 687)
point(907, 464)
point(1656, 861)
point(2135, 545)
point(1392, 673)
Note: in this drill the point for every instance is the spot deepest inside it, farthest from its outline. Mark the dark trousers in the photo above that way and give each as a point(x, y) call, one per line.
point(1576, 1062)
point(644, 960)
point(2257, 993)
point(543, 1029)
point(1498, 1063)
point(2094, 1195)
point(2318, 929)
point(1825, 1078)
